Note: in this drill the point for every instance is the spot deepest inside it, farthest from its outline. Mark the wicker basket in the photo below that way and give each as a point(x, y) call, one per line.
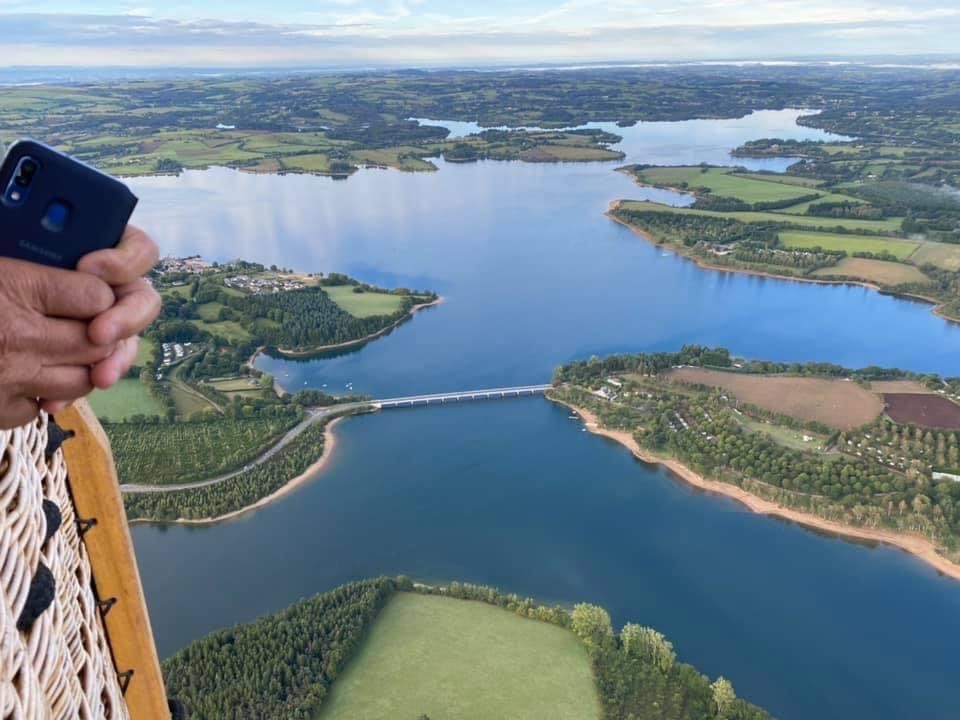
point(61, 667)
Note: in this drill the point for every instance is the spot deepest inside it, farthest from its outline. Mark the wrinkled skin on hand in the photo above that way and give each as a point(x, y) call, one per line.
point(63, 333)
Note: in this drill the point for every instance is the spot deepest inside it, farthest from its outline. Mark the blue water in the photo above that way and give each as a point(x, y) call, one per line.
point(512, 493)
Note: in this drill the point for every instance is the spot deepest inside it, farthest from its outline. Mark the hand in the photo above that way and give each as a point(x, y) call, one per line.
point(46, 348)
point(137, 303)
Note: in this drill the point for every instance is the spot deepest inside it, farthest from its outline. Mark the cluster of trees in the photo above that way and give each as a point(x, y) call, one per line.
point(236, 493)
point(760, 254)
point(639, 678)
point(846, 209)
point(690, 229)
point(175, 453)
point(925, 449)
point(586, 372)
point(281, 666)
point(706, 200)
point(307, 318)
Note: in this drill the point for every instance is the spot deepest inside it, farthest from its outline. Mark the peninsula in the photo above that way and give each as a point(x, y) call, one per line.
point(872, 454)
point(194, 418)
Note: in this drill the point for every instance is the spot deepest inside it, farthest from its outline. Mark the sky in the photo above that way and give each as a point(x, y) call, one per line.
point(288, 33)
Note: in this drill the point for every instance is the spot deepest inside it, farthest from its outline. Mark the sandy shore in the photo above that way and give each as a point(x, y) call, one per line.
point(703, 263)
point(329, 442)
point(920, 547)
point(350, 343)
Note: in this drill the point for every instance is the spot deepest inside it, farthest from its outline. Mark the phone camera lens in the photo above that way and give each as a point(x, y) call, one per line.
point(28, 168)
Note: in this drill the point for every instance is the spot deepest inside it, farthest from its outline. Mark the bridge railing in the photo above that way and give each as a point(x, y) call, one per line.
point(466, 395)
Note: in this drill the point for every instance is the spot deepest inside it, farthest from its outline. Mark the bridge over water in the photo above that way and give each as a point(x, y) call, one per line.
point(461, 396)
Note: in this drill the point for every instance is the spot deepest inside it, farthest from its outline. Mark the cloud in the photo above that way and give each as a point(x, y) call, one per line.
point(398, 32)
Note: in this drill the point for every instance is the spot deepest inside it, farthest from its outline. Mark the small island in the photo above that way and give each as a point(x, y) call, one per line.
point(199, 433)
point(871, 453)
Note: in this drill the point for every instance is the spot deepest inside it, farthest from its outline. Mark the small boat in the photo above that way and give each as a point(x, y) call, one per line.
point(573, 417)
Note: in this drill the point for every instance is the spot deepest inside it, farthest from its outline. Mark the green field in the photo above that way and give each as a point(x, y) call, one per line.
point(366, 304)
point(239, 384)
point(943, 255)
point(782, 178)
point(127, 398)
point(877, 226)
point(446, 658)
point(228, 329)
point(145, 353)
point(190, 452)
point(902, 249)
point(722, 182)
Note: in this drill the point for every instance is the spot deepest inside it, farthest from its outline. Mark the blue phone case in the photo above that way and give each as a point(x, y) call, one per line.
point(71, 209)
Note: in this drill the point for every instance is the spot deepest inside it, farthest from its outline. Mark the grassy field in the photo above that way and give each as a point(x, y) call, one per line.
point(877, 226)
point(835, 403)
point(801, 208)
point(881, 272)
point(365, 304)
point(446, 658)
point(235, 385)
point(568, 153)
point(943, 255)
point(902, 249)
point(228, 329)
point(127, 398)
point(785, 436)
point(145, 352)
point(722, 182)
point(784, 179)
point(238, 387)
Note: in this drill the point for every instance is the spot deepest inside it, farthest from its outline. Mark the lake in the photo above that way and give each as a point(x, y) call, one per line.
point(513, 493)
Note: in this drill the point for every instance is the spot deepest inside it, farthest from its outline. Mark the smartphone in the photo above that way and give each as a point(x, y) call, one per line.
point(54, 209)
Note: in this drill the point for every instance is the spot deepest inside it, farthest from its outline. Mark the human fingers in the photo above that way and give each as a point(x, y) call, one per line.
point(59, 382)
point(134, 257)
point(107, 372)
point(61, 342)
point(54, 292)
point(138, 305)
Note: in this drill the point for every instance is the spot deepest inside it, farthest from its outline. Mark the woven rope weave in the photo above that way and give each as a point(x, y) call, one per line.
point(62, 667)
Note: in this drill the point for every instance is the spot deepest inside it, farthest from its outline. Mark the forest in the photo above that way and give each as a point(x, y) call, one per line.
point(280, 666)
point(283, 665)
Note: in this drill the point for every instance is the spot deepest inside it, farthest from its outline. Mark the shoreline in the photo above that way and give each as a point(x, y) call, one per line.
point(349, 343)
point(937, 308)
point(921, 548)
point(329, 443)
